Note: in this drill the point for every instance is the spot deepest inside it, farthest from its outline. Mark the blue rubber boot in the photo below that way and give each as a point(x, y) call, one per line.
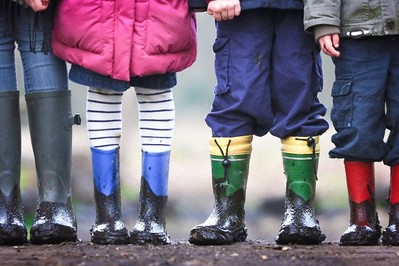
point(151, 226)
point(109, 227)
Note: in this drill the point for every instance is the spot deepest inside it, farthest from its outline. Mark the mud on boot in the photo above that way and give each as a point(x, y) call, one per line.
point(54, 223)
point(357, 235)
point(109, 228)
point(224, 226)
point(390, 236)
point(365, 229)
point(12, 228)
point(152, 233)
point(299, 225)
point(150, 227)
point(114, 233)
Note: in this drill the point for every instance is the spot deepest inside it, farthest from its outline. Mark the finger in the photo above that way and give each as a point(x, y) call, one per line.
point(217, 16)
point(330, 50)
point(335, 40)
point(237, 10)
point(231, 14)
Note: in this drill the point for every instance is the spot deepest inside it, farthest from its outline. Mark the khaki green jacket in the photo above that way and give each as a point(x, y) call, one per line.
point(352, 18)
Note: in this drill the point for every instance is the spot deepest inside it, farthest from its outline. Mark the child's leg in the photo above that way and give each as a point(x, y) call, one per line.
point(157, 119)
point(104, 124)
point(364, 228)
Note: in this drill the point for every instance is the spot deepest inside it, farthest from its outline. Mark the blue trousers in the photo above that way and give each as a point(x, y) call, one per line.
point(366, 100)
point(41, 71)
point(268, 76)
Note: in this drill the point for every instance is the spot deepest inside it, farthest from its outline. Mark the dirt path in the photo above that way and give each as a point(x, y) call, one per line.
point(182, 253)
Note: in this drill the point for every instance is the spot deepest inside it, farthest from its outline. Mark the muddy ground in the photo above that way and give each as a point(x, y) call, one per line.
point(182, 253)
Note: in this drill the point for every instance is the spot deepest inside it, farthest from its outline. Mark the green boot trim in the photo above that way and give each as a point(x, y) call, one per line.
point(300, 160)
point(230, 172)
point(230, 162)
point(300, 173)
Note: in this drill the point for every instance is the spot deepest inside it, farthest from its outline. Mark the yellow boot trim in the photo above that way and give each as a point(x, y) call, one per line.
point(299, 145)
point(238, 145)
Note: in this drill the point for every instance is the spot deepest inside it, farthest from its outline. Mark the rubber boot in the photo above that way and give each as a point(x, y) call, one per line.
point(151, 227)
point(300, 160)
point(364, 228)
point(390, 236)
point(50, 123)
point(230, 166)
point(109, 227)
point(12, 228)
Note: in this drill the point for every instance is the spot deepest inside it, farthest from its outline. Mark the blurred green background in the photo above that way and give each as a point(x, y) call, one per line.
point(190, 192)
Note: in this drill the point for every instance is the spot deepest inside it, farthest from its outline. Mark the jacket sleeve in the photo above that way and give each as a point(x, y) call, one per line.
point(198, 5)
point(322, 13)
point(20, 2)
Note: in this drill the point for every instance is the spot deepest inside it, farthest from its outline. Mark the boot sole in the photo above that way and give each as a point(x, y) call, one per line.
point(49, 233)
point(212, 235)
point(301, 236)
point(142, 238)
point(110, 237)
point(12, 235)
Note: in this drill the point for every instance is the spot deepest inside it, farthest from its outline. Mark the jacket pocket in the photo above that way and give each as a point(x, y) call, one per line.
point(221, 50)
point(341, 112)
point(355, 11)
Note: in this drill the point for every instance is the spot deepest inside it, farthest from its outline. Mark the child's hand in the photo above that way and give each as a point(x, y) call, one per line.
point(37, 5)
point(329, 44)
point(224, 9)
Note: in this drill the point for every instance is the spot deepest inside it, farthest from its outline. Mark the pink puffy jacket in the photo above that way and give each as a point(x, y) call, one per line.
point(123, 38)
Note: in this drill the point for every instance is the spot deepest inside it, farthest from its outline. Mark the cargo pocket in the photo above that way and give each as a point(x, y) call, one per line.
point(341, 113)
point(221, 50)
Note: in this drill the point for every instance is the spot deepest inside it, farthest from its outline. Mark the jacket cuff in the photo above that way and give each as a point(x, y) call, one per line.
point(322, 30)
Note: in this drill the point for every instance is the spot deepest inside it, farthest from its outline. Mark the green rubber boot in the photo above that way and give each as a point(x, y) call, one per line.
point(230, 166)
point(300, 160)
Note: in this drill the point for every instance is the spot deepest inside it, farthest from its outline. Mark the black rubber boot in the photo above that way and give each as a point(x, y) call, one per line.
point(226, 223)
point(12, 228)
point(109, 227)
point(50, 123)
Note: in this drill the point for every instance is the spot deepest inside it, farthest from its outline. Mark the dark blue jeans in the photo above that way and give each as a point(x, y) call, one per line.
point(268, 75)
point(41, 71)
point(366, 100)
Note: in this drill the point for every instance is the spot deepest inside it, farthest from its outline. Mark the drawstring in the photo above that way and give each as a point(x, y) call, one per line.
point(226, 162)
point(311, 142)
